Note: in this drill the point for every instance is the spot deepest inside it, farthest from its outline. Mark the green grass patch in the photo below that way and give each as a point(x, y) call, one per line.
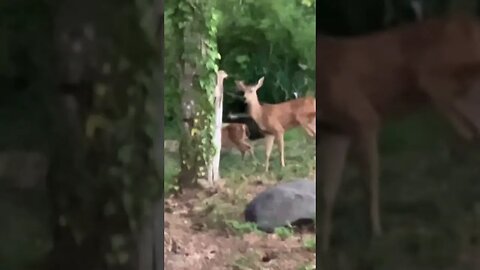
point(310, 244)
point(299, 159)
point(242, 227)
point(308, 267)
point(224, 210)
point(284, 232)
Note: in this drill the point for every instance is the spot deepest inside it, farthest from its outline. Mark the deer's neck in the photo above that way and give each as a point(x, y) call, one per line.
point(255, 110)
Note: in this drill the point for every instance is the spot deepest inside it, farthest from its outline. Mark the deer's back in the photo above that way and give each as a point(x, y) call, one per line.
point(381, 71)
point(286, 113)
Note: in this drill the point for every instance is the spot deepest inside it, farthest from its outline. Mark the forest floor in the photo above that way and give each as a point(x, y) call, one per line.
point(429, 197)
point(206, 230)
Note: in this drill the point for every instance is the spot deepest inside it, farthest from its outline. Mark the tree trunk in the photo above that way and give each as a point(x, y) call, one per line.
point(214, 166)
point(150, 240)
point(196, 25)
point(188, 164)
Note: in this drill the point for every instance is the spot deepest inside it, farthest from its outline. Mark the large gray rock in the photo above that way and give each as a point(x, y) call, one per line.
point(282, 204)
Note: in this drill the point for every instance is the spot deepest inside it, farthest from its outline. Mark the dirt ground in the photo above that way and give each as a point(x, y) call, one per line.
point(190, 244)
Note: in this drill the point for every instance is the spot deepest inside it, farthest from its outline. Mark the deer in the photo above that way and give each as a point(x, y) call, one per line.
point(275, 119)
point(235, 135)
point(364, 81)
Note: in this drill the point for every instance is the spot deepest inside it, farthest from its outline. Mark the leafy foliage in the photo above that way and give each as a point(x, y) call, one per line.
point(275, 39)
point(268, 38)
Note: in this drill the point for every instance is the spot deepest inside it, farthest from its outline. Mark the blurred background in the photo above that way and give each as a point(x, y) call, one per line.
point(429, 179)
point(80, 103)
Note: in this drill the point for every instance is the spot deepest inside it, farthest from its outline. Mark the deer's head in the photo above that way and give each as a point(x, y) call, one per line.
point(250, 91)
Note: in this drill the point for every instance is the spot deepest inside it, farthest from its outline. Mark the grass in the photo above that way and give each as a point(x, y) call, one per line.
point(308, 267)
point(241, 228)
point(284, 232)
point(299, 159)
point(310, 244)
point(223, 211)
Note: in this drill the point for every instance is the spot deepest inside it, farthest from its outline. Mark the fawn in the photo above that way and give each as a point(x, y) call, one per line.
point(235, 135)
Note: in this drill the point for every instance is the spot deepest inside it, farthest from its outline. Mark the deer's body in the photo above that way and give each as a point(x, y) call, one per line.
point(275, 119)
point(236, 136)
point(364, 81)
point(287, 114)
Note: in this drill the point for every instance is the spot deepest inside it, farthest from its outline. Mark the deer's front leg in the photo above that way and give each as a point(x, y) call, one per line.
point(332, 152)
point(367, 147)
point(281, 145)
point(268, 149)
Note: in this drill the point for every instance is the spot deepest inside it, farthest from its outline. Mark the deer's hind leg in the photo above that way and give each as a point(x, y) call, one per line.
point(441, 89)
point(308, 124)
point(332, 152)
point(367, 146)
point(246, 147)
point(366, 125)
point(251, 151)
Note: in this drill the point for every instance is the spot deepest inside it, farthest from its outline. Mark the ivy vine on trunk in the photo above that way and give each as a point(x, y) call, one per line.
point(195, 25)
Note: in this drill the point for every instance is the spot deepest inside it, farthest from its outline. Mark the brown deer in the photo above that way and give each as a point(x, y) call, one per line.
point(364, 81)
point(275, 119)
point(235, 135)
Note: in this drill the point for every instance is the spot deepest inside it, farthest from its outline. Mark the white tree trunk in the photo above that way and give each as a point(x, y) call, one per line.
point(214, 167)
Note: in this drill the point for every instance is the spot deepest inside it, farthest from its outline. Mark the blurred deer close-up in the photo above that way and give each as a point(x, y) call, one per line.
point(363, 82)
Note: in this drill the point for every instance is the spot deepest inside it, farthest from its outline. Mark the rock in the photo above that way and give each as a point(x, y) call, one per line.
point(282, 204)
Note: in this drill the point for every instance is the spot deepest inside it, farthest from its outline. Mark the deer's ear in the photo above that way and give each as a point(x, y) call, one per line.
point(259, 83)
point(240, 85)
